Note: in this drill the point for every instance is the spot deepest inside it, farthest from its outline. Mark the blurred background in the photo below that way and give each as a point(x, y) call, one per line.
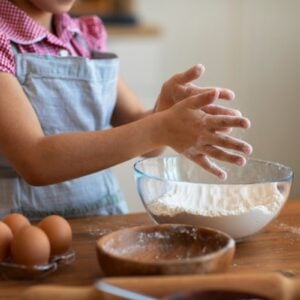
point(250, 46)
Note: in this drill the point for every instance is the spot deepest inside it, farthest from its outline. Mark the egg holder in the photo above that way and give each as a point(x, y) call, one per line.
point(11, 270)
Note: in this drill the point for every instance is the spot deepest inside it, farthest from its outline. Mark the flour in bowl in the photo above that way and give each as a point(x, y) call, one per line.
point(239, 210)
point(216, 200)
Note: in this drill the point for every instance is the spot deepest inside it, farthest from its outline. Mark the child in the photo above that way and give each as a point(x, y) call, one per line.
point(65, 117)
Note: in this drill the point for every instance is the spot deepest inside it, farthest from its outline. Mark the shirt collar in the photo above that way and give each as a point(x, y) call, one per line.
point(65, 27)
point(22, 29)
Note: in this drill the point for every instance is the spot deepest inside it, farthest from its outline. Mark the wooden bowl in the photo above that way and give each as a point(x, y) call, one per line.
point(165, 249)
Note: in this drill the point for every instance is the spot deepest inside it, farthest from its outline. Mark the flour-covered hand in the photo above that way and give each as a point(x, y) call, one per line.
point(200, 135)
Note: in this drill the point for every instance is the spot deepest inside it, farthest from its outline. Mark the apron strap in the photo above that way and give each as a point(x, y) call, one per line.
point(94, 54)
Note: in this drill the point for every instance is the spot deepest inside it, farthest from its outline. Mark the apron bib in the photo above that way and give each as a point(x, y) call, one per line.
point(68, 94)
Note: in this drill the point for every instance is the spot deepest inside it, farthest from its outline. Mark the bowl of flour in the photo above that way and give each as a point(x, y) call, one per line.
point(175, 190)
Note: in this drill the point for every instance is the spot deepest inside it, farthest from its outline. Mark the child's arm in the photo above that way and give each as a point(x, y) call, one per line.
point(43, 160)
point(129, 109)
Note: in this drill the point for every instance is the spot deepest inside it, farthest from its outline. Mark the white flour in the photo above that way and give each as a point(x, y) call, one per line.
point(216, 200)
point(239, 210)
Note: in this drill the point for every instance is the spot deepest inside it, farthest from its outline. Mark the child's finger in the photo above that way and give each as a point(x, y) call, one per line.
point(225, 94)
point(220, 121)
point(226, 141)
point(215, 109)
point(209, 166)
point(222, 155)
point(189, 75)
point(200, 100)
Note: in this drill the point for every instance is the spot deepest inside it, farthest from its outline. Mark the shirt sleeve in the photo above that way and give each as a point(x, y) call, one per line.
point(7, 59)
point(94, 32)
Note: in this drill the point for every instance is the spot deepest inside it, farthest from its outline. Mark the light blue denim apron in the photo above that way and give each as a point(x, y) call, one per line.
point(68, 94)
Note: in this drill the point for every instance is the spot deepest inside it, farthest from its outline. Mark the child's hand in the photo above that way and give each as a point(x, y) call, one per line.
point(197, 134)
point(180, 87)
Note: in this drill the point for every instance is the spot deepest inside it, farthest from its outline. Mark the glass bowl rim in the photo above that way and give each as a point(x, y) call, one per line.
point(289, 177)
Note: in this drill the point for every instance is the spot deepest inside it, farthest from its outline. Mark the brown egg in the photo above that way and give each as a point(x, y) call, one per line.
point(30, 246)
point(59, 233)
point(15, 222)
point(5, 241)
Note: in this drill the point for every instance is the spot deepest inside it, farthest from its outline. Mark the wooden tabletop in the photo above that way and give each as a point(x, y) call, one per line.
point(277, 248)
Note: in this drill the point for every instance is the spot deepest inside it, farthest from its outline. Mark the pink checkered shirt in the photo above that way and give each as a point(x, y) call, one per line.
point(30, 37)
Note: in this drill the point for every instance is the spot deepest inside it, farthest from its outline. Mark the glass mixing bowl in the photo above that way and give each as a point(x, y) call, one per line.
point(174, 189)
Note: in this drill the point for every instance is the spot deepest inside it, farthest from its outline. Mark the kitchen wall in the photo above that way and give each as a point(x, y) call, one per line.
point(251, 46)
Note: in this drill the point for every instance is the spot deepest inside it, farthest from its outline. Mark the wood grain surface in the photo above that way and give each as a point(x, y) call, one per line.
point(165, 249)
point(277, 248)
